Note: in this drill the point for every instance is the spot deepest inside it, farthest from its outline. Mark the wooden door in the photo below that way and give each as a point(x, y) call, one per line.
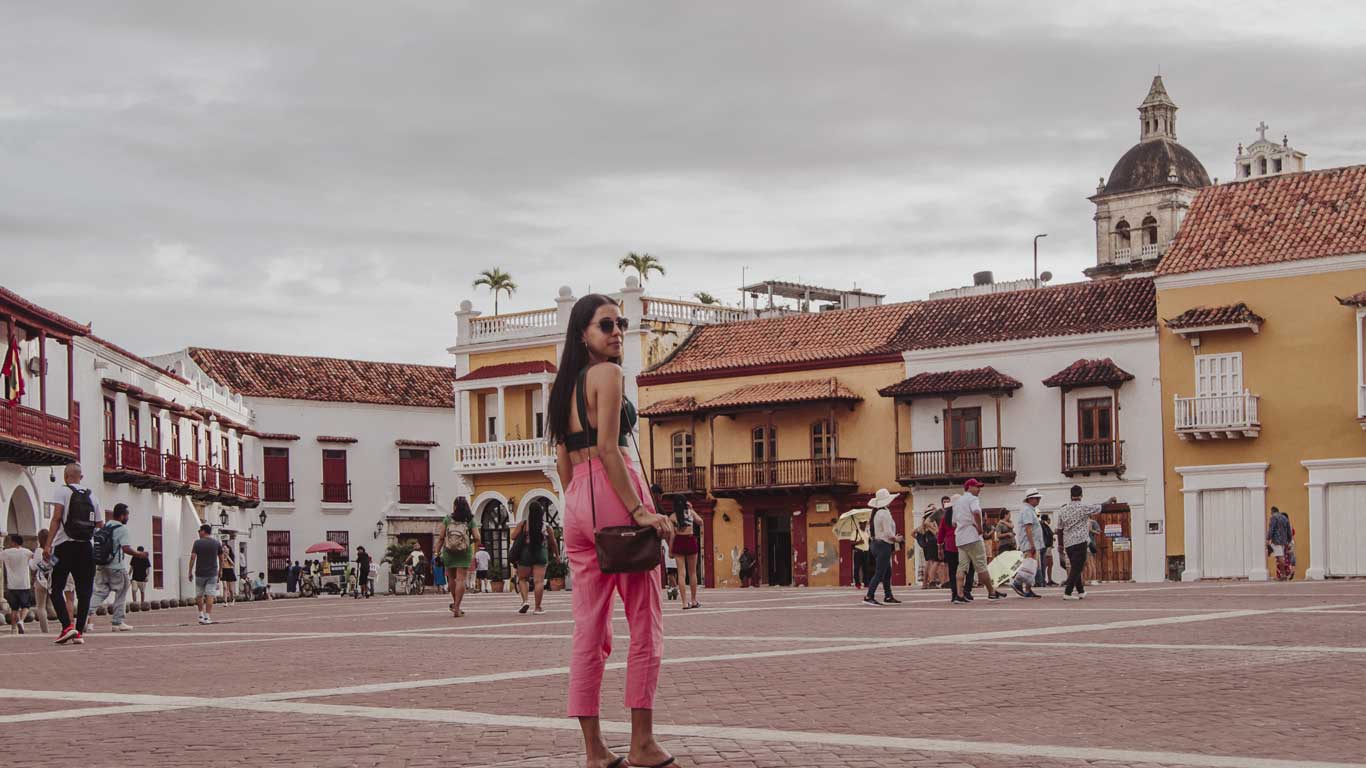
point(414, 477)
point(1346, 530)
point(1095, 432)
point(776, 548)
point(1223, 517)
point(1113, 560)
point(963, 439)
point(334, 476)
point(275, 468)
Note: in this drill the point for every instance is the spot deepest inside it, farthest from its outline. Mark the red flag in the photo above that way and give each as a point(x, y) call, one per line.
point(13, 373)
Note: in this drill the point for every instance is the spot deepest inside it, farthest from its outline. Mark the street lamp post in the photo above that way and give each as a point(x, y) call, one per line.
point(1036, 258)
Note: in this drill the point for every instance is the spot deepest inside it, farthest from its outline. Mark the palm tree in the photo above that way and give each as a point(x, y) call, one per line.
point(642, 263)
point(498, 281)
point(705, 298)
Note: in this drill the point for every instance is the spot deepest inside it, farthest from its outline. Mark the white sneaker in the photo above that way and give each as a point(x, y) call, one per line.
point(121, 628)
point(539, 612)
point(1081, 595)
point(1071, 597)
point(208, 619)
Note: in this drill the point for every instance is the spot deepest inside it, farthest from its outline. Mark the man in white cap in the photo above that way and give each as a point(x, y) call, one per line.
point(885, 539)
point(1029, 538)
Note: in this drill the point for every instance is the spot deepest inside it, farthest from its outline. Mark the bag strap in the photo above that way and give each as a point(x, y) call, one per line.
point(581, 402)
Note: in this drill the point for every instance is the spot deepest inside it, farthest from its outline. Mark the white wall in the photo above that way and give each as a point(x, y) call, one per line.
point(1031, 425)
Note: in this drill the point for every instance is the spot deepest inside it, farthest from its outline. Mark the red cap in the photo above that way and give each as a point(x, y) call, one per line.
point(973, 483)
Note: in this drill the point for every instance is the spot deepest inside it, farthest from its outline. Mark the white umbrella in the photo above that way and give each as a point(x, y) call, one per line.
point(846, 527)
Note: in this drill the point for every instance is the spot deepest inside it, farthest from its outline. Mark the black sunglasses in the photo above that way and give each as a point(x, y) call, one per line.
point(605, 325)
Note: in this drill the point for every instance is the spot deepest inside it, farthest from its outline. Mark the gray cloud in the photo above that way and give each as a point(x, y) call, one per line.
point(328, 177)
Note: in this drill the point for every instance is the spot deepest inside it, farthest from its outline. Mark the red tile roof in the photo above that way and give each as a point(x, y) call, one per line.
point(337, 439)
point(328, 379)
point(276, 436)
point(1089, 373)
point(782, 393)
point(963, 382)
point(1205, 317)
point(1290, 217)
point(674, 406)
point(416, 443)
point(21, 306)
point(880, 334)
point(509, 369)
point(1355, 300)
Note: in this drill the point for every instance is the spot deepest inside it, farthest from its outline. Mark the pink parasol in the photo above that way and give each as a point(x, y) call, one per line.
point(325, 546)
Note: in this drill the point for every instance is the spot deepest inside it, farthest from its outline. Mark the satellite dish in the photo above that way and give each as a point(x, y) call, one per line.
point(1045, 276)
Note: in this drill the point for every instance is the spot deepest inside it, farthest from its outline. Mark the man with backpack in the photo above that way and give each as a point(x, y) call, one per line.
point(75, 516)
point(110, 550)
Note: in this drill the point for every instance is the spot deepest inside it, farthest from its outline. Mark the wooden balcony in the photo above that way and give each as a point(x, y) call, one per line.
point(790, 475)
point(416, 493)
point(953, 467)
point(278, 490)
point(337, 493)
point(123, 462)
point(32, 438)
point(153, 474)
point(1098, 458)
point(687, 480)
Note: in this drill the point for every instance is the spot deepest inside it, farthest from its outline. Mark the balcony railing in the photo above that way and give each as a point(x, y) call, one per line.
point(691, 312)
point(416, 493)
point(953, 466)
point(194, 473)
point(1107, 456)
point(278, 490)
point(681, 479)
point(32, 438)
point(1217, 416)
point(1137, 253)
point(787, 474)
point(537, 322)
point(504, 454)
point(175, 470)
point(337, 493)
point(1150, 251)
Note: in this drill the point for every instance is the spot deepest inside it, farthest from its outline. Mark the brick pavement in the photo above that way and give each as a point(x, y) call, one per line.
point(1136, 675)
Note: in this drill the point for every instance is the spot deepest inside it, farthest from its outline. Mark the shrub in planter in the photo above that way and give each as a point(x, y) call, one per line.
point(555, 573)
point(498, 577)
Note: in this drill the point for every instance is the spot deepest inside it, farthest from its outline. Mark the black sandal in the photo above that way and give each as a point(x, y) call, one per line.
point(620, 762)
point(664, 764)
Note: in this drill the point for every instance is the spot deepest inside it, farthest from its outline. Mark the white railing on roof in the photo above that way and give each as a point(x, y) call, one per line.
point(676, 311)
point(1151, 251)
point(1124, 255)
point(504, 454)
point(536, 322)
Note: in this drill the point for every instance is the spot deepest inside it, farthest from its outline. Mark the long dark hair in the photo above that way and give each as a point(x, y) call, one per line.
point(572, 362)
point(462, 512)
point(535, 524)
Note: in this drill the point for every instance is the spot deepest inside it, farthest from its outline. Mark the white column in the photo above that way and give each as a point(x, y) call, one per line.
point(1318, 528)
point(1191, 513)
point(1256, 534)
point(545, 407)
point(502, 416)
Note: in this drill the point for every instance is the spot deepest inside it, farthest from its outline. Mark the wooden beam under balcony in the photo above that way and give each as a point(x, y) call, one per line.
point(953, 467)
point(787, 475)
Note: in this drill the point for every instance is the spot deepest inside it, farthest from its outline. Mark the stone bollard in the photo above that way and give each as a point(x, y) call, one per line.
point(146, 606)
point(100, 610)
point(132, 608)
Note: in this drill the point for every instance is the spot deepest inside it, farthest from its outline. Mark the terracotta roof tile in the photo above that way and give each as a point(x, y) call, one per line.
point(877, 334)
point(1289, 217)
point(337, 439)
point(509, 369)
point(961, 382)
point(781, 393)
point(674, 406)
point(327, 379)
point(276, 436)
point(1204, 317)
point(1089, 373)
point(416, 443)
point(18, 304)
point(1355, 300)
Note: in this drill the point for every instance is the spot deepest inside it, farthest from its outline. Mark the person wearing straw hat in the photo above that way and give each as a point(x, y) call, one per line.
point(885, 539)
point(1029, 538)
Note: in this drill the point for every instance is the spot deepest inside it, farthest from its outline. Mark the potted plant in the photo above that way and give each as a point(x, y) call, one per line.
point(555, 573)
point(498, 577)
point(396, 555)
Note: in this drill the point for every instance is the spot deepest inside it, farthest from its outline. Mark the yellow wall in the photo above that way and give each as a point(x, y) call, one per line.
point(1302, 365)
point(511, 484)
point(480, 359)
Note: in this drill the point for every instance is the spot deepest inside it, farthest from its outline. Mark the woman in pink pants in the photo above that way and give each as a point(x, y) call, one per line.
point(590, 421)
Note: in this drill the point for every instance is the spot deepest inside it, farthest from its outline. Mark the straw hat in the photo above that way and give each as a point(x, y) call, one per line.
point(882, 499)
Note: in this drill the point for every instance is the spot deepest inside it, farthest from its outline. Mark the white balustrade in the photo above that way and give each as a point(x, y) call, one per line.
point(1151, 251)
point(1123, 255)
point(1217, 413)
point(696, 313)
point(504, 454)
point(536, 322)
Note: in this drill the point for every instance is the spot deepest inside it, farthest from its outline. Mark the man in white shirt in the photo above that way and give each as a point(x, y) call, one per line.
point(1029, 540)
point(972, 550)
point(881, 548)
point(75, 514)
point(18, 581)
point(481, 569)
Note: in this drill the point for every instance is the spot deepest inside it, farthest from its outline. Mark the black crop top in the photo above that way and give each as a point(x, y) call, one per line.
point(577, 441)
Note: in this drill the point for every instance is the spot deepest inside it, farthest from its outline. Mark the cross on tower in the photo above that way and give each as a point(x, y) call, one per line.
point(1261, 130)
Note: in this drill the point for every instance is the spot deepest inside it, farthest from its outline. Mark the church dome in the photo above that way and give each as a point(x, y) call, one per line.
point(1149, 163)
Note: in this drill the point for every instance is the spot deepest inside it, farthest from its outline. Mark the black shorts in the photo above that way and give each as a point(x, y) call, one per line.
point(481, 574)
point(228, 574)
point(19, 598)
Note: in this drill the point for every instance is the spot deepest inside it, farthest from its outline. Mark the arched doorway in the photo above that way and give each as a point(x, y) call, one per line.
point(493, 517)
point(22, 516)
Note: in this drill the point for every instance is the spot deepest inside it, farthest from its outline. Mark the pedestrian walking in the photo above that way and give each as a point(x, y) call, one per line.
point(482, 560)
point(882, 547)
point(1044, 578)
point(1003, 533)
point(18, 581)
point(1029, 538)
point(228, 577)
point(1278, 538)
point(204, 571)
point(685, 548)
point(75, 515)
point(948, 545)
point(861, 575)
point(590, 422)
point(972, 548)
point(41, 570)
point(1074, 525)
point(540, 540)
point(749, 568)
point(456, 543)
point(139, 566)
point(363, 563)
point(112, 553)
point(292, 577)
point(927, 536)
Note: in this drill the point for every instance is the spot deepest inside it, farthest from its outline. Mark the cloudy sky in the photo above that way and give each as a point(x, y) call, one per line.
point(328, 177)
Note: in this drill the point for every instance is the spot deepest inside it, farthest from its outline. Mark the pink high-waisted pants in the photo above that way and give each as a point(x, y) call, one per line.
point(593, 599)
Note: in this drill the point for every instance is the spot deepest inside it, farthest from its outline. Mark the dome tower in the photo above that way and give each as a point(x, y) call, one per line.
point(1141, 205)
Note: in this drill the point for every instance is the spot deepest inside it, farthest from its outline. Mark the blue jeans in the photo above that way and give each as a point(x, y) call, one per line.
point(881, 551)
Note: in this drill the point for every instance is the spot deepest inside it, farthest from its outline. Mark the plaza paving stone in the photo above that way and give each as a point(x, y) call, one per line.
point(1120, 679)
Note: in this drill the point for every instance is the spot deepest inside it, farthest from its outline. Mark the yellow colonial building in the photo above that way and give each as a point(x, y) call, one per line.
point(1264, 374)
